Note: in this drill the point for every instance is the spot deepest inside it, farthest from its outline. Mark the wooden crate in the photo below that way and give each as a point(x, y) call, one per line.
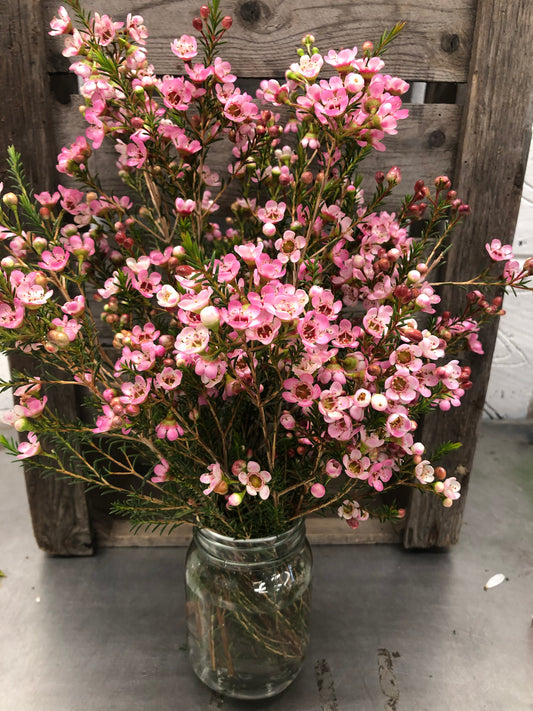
point(474, 59)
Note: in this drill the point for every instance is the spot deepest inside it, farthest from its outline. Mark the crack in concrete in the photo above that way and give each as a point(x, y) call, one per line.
point(325, 686)
point(387, 679)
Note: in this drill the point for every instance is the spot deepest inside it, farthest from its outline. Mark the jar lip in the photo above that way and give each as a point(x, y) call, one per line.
point(249, 542)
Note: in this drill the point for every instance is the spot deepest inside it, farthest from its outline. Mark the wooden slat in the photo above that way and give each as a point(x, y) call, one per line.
point(424, 147)
point(116, 533)
point(490, 172)
point(266, 33)
point(58, 509)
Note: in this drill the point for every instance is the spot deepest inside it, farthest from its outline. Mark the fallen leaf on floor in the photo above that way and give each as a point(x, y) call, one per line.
point(495, 580)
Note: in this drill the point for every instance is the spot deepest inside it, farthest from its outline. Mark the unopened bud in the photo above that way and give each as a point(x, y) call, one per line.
point(394, 176)
point(197, 23)
point(205, 12)
point(226, 22)
point(10, 199)
point(442, 182)
point(440, 473)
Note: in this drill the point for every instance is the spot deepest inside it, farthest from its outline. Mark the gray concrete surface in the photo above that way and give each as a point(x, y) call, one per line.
point(392, 630)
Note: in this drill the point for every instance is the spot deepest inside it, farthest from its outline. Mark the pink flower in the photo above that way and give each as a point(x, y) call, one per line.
point(104, 28)
point(376, 321)
point(287, 420)
point(356, 465)
point(424, 472)
point(32, 295)
point(398, 424)
point(308, 67)
point(33, 407)
point(184, 207)
point(222, 71)
point(341, 429)
point(239, 108)
point(272, 212)
point(333, 468)
point(61, 25)
point(11, 317)
point(268, 268)
point(352, 513)
point(147, 284)
point(169, 429)
point(137, 392)
point(192, 340)
point(185, 47)
point(167, 297)
point(342, 61)
point(169, 378)
point(451, 488)
point(55, 260)
point(214, 478)
point(286, 302)
point(160, 472)
point(289, 247)
point(75, 307)
point(301, 390)
point(402, 386)
point(30, 448)
point(227, 268)
point(255, 480)
point(499, 252)
point(196, 301)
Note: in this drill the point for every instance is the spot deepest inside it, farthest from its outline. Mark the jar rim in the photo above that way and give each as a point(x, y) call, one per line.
point(220, 538)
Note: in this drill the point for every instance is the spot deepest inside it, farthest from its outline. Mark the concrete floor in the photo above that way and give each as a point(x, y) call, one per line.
point(393, 630)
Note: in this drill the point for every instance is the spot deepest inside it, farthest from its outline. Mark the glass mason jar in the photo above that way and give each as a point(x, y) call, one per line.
point(248, 605)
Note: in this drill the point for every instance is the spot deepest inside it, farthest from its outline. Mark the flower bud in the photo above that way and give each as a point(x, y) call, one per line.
point(318, 490)
point(10, 199)
point(394, 176)
point(210, 317)
point(236, 498)
point(205, 11)
point(198, 24)
point(58, 338)
point(440, 473)
point(442, 182)
point(226, 22)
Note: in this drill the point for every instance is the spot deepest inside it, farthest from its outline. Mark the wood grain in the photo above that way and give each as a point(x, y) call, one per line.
point(424, 147)
point(490, 172)
point(116, 533)
point(435, 46)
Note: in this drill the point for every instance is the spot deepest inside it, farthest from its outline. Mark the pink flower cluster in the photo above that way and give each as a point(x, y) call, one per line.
point(258, 356)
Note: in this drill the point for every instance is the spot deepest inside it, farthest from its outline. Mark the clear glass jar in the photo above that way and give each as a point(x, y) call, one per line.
point(248, 607)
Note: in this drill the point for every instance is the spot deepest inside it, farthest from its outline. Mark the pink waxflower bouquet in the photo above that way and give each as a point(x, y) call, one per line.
point(272, 352)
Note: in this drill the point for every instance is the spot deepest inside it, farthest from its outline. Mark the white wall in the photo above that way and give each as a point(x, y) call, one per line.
point(510, 393)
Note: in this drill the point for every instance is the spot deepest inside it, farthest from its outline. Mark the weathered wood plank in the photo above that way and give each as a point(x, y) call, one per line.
point(58, 509)
point(266, 33)
point(490, 172)
point(116, 533)
point(424, 147)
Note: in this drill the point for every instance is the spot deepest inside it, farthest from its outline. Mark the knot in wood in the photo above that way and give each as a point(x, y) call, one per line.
point(450, 43)
point(436, 138)
point(250, 11)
